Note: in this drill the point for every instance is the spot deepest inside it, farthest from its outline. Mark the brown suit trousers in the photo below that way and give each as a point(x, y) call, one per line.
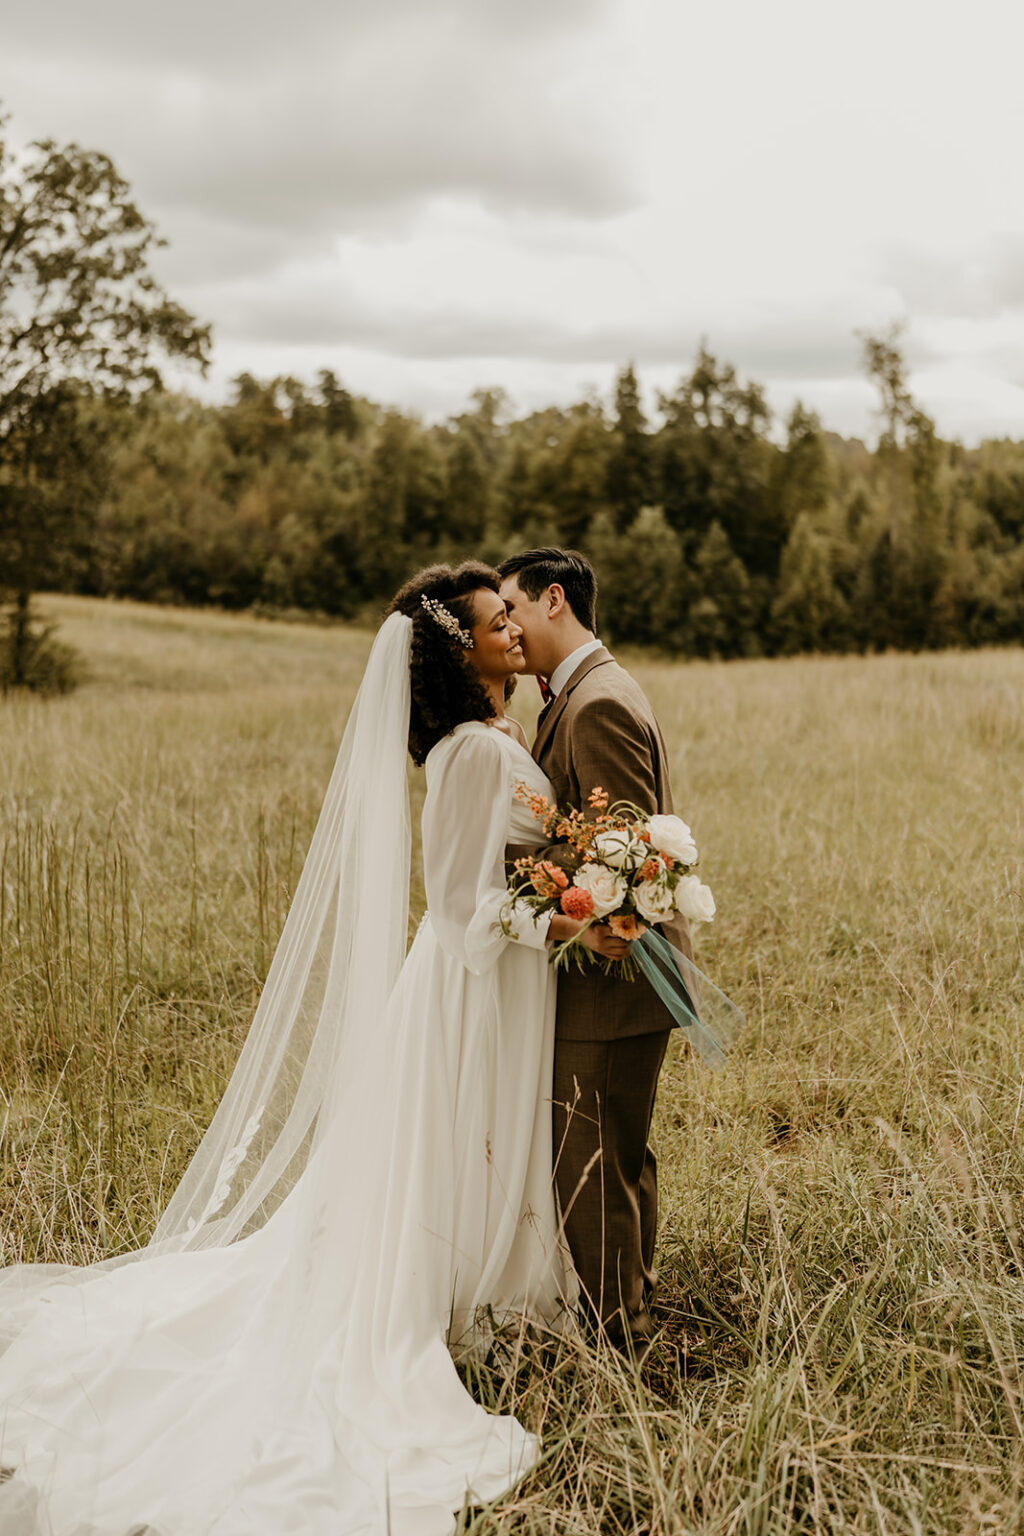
point(610, 1035)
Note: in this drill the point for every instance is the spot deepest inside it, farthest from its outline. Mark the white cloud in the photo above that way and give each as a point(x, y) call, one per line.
point(323, 131)
point(475, 192)
point(225, 38)
point(980, 280)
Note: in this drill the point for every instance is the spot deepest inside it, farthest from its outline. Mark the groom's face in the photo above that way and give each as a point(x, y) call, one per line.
point(532, 616)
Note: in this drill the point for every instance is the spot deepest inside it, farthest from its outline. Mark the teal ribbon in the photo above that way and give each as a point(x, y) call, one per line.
point(711, 1020)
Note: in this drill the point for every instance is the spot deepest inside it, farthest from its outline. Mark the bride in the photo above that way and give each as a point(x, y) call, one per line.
point(374, 1190)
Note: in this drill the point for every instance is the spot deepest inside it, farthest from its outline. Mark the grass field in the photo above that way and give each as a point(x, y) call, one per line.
point(842, 1250)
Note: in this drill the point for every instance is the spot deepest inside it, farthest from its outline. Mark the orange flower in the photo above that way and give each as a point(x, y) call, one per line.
point(628, 927)
point(559, 876)
point(598, 798)
point(536, 803)
point(577, 903)
point(650, 869)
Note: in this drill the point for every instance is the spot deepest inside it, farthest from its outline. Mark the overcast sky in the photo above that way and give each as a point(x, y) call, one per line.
point(432, 197)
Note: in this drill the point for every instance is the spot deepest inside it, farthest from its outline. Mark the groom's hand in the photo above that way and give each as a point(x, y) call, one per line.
point(596, 936)
point(603, 942)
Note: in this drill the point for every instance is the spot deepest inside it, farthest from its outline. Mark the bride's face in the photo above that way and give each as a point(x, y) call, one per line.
point(497, 653)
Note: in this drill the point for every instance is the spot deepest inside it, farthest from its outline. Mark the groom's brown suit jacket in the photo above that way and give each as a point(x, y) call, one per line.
point(601, 731)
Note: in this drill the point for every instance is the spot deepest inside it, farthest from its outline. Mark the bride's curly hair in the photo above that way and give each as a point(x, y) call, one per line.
point(445, 686)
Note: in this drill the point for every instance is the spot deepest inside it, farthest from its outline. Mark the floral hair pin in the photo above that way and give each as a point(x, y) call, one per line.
point(447, 620)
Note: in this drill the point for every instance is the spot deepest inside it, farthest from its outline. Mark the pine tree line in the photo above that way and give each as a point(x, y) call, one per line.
point(710, 535)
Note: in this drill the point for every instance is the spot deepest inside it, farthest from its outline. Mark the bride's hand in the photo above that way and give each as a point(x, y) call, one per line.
point(596, 936)
point(563, 928)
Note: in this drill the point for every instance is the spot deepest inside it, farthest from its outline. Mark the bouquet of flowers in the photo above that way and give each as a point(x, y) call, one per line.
point(622, 867)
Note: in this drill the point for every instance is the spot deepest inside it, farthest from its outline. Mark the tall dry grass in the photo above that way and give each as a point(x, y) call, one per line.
point(841, 1250)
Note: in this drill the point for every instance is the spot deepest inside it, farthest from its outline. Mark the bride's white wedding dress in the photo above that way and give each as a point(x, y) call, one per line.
point(276, 1360)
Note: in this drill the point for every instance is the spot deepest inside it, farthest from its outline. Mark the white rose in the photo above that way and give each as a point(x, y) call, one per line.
point(694, 900)
point(654, 901)
point(672, 836)
point(622, 850)
point(606, 889)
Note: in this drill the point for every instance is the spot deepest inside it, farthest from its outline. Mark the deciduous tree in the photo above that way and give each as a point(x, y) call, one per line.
point(81, 313)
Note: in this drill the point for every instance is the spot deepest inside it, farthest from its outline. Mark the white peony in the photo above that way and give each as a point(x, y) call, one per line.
point(694, 899)
point(606, 889)
point(654, 900)
point(672, 836)
point(621, 849)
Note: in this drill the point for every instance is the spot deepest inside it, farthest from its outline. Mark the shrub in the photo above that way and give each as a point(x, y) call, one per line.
point(32, 657)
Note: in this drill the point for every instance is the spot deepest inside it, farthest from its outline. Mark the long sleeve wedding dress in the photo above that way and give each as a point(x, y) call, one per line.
point(377, 1179)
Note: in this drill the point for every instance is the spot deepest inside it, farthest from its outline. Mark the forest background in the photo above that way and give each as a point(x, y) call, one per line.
point(712, 534)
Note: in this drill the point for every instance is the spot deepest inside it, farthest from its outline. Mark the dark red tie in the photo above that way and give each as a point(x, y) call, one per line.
point(549, 700)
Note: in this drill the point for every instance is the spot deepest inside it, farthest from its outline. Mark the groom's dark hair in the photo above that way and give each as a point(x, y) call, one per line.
point(537, 569)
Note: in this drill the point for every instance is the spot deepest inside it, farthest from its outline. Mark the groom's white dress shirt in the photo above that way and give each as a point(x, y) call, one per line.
point(565, 669)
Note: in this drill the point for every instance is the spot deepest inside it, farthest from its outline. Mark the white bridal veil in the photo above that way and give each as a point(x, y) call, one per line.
point(301, 1061)
point(306, 1055)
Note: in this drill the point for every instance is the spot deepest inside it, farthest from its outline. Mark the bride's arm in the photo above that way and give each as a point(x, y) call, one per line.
point(465, 824)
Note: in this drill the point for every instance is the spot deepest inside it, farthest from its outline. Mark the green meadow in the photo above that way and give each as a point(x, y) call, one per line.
point(842, 1254)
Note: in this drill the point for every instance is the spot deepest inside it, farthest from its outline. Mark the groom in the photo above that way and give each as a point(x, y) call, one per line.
point(598, 729)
